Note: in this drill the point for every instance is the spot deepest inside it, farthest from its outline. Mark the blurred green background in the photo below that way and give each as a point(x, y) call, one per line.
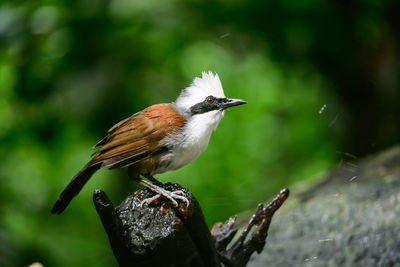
point(321, 79)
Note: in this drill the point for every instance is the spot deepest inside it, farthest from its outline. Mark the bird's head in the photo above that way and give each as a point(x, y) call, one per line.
point(204, 101)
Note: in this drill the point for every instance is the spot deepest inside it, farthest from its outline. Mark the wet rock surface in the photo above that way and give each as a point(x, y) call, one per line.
point(351, 218)
point(146, 229)
point(157, 234)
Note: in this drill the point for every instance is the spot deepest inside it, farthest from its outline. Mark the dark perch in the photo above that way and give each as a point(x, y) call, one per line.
point(160, 235)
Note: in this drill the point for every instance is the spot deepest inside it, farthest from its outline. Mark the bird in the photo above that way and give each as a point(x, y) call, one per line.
point(160, 138)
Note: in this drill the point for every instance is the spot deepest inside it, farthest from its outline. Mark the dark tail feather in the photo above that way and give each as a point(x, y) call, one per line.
point(73, 188)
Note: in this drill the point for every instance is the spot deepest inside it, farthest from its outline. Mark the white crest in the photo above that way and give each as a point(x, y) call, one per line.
point(208, 84)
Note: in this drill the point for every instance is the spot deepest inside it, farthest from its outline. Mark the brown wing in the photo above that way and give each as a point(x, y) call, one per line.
point(138, 137)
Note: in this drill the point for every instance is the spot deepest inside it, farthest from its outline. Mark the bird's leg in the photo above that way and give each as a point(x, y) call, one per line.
point(152, 179)
point(172, 196)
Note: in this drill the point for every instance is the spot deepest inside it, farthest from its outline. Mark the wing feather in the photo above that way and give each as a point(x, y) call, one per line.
point(138, 137)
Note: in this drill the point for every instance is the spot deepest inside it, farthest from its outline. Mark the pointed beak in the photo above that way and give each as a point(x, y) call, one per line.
point(231, 102)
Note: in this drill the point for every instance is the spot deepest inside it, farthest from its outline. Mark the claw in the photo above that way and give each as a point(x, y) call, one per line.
point(172, 196)
point(178, 192)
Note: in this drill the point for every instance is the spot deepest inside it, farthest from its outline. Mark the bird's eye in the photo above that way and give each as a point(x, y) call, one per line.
point(210, 99)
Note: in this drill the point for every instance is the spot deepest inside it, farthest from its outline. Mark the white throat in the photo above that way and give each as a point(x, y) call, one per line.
point(188, 145)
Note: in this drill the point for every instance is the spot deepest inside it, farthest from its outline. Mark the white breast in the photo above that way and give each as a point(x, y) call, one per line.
point(188, 145)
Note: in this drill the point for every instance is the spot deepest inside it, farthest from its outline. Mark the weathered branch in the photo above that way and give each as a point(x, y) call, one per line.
point(239, 253)
point(160, 235)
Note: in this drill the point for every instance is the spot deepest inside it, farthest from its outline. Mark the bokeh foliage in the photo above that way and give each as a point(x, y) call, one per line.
point(69, 70)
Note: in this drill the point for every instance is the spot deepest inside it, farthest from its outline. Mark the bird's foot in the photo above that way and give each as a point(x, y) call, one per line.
point(172, 196)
